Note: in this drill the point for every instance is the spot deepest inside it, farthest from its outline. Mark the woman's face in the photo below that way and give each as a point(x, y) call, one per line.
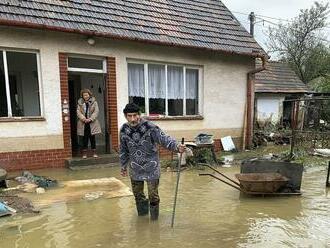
point(86, 96)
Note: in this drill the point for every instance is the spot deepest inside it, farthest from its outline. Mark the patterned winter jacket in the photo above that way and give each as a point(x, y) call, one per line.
point(138, 149)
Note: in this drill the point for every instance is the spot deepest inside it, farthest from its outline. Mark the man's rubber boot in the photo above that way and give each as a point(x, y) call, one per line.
point(154, 212)
point(142, 207)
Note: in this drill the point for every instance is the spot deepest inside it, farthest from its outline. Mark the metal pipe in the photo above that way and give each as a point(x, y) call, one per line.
point(222, 174)
point(252, 19)
point(250, 101)
point(211, 175)
point(327, 182)
point(177, 186)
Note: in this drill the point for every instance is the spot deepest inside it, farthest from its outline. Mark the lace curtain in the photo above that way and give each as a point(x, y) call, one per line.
point(136, 80)
point(156, 81)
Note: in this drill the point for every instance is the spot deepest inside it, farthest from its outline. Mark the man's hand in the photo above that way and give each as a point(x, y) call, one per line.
point(123, 172)
point(181, 148)
point(88, 120)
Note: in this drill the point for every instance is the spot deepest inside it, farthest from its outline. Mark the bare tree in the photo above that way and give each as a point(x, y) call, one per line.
point(302, 44)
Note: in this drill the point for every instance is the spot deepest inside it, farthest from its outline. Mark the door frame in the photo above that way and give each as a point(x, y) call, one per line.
point(110, 95)
point(102, 72)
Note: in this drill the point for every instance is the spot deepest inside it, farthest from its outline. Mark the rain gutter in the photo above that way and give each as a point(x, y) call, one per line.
point(248, 132)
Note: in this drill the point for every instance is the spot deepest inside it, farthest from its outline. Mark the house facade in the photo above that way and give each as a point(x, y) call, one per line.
point(184, 63)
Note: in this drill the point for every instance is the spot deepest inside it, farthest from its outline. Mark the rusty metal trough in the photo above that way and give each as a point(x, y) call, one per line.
point(261, 182)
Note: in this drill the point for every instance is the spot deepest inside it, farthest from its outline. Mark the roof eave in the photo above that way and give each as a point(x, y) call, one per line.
point(21, 24)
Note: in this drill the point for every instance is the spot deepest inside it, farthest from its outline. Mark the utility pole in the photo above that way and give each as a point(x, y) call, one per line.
point(252, 19)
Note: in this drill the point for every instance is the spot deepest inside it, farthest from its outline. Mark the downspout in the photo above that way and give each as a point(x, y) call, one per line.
point(250, 103)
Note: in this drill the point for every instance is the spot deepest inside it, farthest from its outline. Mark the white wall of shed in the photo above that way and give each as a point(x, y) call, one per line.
point(270, 107)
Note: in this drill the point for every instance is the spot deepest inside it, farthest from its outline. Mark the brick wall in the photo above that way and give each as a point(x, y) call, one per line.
point(63, 58)
point(112, 102)
point(56, 158)
point(28, 160)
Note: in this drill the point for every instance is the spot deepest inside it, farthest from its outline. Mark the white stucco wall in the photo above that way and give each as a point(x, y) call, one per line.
point(224, 81)
point(269, 107)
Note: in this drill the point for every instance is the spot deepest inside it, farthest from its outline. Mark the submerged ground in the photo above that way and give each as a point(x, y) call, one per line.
point(209, 214)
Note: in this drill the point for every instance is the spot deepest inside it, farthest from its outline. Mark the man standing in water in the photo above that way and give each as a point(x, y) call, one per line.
point(138, 149)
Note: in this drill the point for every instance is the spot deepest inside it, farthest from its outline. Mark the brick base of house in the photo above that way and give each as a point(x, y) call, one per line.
point(28, 160)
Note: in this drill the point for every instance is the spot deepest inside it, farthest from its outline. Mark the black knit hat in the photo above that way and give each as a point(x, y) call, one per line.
point(131, 108)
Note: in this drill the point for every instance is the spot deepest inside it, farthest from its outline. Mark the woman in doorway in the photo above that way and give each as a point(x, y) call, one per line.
point(88, 125)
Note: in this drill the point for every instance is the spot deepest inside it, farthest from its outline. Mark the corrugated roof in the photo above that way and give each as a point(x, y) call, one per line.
point(278, 78)
point(205, 24)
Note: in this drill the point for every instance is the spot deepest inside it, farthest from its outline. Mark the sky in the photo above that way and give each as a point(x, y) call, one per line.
point(278, 9)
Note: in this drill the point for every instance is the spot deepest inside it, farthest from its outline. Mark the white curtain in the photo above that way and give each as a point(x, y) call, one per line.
point(156, 81)
point(136, 80)
point(191, 83)
point(175, 82)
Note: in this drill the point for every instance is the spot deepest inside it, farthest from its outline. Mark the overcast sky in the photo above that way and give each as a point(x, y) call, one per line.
point(281, 9)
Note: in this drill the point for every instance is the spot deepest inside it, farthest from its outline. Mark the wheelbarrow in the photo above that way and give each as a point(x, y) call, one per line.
point(255, 183)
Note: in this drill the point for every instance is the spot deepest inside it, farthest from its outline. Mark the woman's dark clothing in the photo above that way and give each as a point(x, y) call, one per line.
point(88, 136)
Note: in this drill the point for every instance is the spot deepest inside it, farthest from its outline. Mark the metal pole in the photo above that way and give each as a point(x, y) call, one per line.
point(327, 182)
point(252, 19)
point(177, 185)
point(293, 126)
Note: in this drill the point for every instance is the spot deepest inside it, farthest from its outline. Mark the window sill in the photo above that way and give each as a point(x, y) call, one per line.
point(170, 118)
point(21, 119)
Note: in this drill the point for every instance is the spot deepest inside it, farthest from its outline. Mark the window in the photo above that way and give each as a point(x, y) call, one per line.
point(85, 64)
point(19, 84)
point(164, 90)
point(3, 94)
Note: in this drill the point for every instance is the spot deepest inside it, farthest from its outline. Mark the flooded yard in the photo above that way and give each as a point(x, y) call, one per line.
point(209, 214)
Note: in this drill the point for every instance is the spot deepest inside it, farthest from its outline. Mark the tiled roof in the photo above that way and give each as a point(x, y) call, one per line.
point(205, 24)
point(279, 78)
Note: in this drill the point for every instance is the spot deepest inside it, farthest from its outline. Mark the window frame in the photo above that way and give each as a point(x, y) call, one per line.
point(87, 70)
point(7, 85)
point(199, 68)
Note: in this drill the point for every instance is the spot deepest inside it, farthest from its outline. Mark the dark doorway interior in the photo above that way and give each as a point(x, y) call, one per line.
point(96, 83)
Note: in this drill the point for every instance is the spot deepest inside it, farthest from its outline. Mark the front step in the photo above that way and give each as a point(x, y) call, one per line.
point(111, 159)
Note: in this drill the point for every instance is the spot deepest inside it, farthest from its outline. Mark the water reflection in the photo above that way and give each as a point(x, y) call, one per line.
point(209, 214)
point(58, 226)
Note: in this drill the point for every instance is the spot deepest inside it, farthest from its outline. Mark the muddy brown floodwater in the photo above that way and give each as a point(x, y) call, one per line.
point(209, 214)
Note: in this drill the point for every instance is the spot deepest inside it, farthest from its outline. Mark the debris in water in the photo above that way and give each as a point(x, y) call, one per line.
point(93, 195)
point(40, 181)
point(40, 190)
point(89, 189)
point(228, 144)
point(228, 160)
point(19, 204)
point(322, 152)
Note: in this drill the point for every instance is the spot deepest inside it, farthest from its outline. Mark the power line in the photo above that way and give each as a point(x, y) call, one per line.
point(278, 19)
point(264, 16)
point(269, 17)
point(270, 22)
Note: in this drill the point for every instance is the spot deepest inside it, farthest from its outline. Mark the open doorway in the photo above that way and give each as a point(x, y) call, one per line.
point(87, 74)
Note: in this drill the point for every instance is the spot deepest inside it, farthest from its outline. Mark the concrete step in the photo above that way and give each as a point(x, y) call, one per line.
point(103, 159)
